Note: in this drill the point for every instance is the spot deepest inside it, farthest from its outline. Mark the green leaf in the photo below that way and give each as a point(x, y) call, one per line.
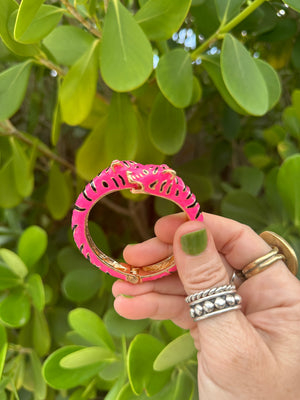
point(160, 19)
point(58, 196)
point(32, 245)
point(175, 77)
point(7, 278)
point(167, 126)
point(205, 17)
point(36, 291)
point(78, 89)
point(126, 393)
point(119, 326)
point(15, 309)
point(287, 148)
point(274, 134)
point(228, 9)
point(7, 7)
point(256, 154)
point(68, 43)
point(45, 20)
point(126, 54)
point(272, 81)
point(3, 348)
point(142, 352)
point(22, 169)
point(291, 119)
point(26, 12)
point(40, 388)
point(245, 208)
point(179, 350)
point(70, 258)
point(197, 91)
point(243, 78)
point(88, 162)
point(212, 65)
point(87, 356)
point(14, 262)
point(9, 196)
point(13, 85)
point(250, 179)
point(81, 285)
point(62, 378)
point(56, 123)
point(90, 326)
point(41, 335)
point(288, 186)
point(293, 4)
point(121, 129)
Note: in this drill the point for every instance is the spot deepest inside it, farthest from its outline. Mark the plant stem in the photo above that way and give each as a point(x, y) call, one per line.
point(226, 28)
point(87, 24)
point(49, 64)
point(7, 129)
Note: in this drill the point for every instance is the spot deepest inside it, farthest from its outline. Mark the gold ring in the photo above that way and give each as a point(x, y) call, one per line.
point(281, 250)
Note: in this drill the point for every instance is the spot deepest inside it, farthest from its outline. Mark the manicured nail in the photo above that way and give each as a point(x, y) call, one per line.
point(194, 243)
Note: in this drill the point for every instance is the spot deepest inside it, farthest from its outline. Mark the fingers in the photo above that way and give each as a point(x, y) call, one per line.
point(147, 252)
point(156, 306)
point(167, 285)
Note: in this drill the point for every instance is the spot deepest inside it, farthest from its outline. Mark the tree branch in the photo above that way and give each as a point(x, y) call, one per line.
point(87, 24)
point(226, 28)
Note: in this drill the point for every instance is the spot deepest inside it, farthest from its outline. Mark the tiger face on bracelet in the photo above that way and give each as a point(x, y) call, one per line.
point(156, 180)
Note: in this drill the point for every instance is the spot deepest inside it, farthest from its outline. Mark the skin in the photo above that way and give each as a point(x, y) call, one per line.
point(252, 353)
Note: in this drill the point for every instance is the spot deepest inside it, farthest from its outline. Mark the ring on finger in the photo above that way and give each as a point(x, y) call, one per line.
point(281, 250)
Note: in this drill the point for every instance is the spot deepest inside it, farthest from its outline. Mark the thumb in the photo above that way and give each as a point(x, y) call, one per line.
point(198, 261)
point(201, 267)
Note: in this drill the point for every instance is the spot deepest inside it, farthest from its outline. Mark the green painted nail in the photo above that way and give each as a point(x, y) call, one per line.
point(127, 296)
point(194, 243)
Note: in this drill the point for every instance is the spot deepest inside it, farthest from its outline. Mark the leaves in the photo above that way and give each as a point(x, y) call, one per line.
point(122, 129)
point(167, 126)
point(58, 196)
point(32, 244)
point(175, 77)
point(126, 54)
point(141, 354)
point(160, 19)
point(46, 18)
point(81, 285)
point(14, 262)
point(227, 10)
point(26, 13)
point(68, 43)
point(22, 169)
point(36, 291)
point(85, 357)
point(79, 87)
point(120, 327)
point(13, 85)
point(243, 78)
point(288, 186)
point(15, 309)
point(179, 350)
point(90, 326)
point(62, 378)
point(293, 4)
point(3, 348)
point(272, 81)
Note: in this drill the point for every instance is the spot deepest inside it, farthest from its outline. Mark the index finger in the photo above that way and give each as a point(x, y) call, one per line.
point(237, 242)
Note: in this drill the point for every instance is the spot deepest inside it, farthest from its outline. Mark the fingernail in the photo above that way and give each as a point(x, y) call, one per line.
point(127, 296)
point(194, 243)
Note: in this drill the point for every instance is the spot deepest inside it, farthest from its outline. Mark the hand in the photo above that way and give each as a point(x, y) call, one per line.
point(247, 354)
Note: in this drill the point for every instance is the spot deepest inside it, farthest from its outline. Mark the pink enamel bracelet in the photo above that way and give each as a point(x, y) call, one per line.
point(156, 180)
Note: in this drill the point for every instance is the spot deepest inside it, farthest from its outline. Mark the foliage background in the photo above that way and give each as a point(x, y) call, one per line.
point(208, 87)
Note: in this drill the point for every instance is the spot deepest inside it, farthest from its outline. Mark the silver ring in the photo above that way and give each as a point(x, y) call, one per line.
point(214, 301)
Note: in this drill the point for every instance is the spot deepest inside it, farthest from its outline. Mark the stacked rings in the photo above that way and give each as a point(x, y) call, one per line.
point(214, 301)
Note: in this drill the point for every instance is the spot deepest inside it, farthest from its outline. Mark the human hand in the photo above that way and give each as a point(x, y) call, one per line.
point(252, 353)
